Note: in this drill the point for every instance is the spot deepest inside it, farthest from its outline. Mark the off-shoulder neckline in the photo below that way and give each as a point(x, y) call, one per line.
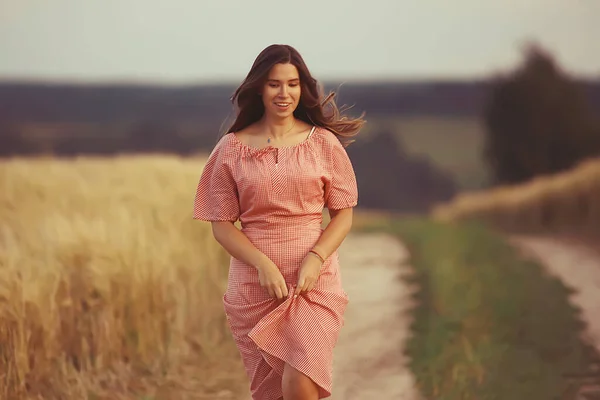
point(271, 147)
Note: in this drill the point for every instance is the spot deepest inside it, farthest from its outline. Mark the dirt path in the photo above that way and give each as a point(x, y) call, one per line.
point(578, 267)
point(369, 359)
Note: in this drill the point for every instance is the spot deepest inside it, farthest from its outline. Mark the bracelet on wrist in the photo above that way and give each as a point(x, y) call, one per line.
point(317, 255)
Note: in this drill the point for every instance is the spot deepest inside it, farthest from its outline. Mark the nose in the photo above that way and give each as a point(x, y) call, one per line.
point(283, 91)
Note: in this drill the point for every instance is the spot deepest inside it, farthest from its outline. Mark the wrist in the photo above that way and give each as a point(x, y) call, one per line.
point(317, 254)
point(262, 262)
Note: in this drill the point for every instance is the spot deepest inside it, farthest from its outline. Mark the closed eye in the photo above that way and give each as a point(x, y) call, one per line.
point(274, 83)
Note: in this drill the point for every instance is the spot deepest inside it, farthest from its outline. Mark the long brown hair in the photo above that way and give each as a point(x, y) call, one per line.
point(313, 107)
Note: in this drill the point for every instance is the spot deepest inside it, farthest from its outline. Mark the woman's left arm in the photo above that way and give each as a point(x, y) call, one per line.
point(336, 231)
point(332, 237)
point(341, 195)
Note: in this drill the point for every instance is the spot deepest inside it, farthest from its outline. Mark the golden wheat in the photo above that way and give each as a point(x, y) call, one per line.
point(568, 202)
point(105, 279)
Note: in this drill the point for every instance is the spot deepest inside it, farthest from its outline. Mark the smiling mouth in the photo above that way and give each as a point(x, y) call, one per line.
point(282, 104)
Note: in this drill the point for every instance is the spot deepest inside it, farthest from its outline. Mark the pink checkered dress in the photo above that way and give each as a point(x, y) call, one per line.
point(278, 194)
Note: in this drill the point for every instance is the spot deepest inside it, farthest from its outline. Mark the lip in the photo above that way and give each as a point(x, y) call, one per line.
point(284, 108)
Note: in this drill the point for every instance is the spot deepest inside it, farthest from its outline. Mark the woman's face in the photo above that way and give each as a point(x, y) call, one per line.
point(281, 91)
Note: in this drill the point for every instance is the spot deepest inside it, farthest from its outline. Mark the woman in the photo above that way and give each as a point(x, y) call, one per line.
point(277, 167)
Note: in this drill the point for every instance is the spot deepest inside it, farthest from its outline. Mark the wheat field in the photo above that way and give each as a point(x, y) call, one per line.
point(108, 288)
point(565, 203)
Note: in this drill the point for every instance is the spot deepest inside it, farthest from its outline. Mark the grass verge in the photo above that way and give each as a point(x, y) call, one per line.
point(489, 323)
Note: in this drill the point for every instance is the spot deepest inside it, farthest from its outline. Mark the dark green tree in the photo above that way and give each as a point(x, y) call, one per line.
point(538, 121)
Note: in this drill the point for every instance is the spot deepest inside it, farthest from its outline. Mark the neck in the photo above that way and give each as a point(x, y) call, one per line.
point(278, 127)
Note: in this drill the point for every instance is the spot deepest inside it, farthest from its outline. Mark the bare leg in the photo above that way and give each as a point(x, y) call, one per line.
point(297, 386)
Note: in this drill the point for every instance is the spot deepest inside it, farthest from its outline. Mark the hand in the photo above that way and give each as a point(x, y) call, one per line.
point(271, 279)
point(309, 273)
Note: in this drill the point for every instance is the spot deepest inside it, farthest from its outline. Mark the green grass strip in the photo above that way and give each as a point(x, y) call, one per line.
point(489, 323)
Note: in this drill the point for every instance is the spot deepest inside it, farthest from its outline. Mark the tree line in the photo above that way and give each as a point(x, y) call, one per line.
point(539, 121)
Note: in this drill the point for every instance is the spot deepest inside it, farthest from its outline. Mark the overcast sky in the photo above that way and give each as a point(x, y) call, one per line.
point(185, 41)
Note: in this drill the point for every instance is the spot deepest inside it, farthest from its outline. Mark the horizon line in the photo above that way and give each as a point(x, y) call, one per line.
point(47, 81)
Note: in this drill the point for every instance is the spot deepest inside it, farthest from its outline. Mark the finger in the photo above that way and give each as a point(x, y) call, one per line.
point(311, 286)
point(305, 286)
point(271, 292)
point(284, 290)
point(301, 283)
point(278, 293)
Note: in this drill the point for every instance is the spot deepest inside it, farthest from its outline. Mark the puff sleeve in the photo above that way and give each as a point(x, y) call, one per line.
point(341, 189)
point(216, 194)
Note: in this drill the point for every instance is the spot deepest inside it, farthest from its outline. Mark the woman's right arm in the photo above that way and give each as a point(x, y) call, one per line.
point(239, 247)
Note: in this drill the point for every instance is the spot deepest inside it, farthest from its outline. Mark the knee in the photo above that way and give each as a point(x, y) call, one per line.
point(297, 386)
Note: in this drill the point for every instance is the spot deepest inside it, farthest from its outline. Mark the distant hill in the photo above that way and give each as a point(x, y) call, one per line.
point(108, 103)
point(71, 119)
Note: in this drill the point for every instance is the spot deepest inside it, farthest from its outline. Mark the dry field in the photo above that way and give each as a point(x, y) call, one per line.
point(566, 203)
point(108, 288)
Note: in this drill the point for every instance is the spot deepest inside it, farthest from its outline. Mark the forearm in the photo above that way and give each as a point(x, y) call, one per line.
point(238, 245)
point(334, 234)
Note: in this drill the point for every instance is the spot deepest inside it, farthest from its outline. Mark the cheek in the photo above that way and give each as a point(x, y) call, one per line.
point(270, 93)
point(296, 92)
point(266, 99)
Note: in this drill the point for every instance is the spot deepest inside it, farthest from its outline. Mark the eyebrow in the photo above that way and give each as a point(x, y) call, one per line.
point(277, 80)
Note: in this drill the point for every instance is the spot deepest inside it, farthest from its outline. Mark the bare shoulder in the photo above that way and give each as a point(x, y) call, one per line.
point(303, 127)
point(246, 134)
